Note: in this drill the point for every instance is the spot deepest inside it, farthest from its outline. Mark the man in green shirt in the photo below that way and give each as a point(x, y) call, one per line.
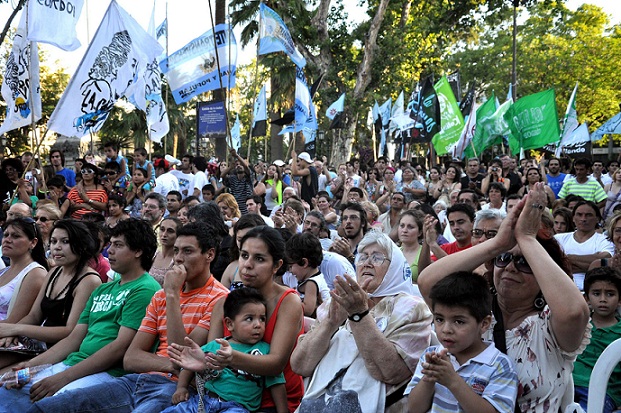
point(93, 352)
point(582, 185)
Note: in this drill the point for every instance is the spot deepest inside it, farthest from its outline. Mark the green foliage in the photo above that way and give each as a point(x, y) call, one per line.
point(556, 48)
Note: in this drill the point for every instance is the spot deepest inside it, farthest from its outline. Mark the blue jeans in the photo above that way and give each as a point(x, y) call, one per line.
point(581, 397)
point(212, 405)
point(18, 400)
point(130, 393)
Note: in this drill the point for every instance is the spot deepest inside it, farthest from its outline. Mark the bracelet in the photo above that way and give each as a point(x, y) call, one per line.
point(90, 202)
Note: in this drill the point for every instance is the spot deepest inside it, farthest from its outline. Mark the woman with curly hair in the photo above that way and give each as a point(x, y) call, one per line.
point(229, 208)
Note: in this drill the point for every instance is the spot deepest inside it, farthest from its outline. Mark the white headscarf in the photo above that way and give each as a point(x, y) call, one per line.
point(398, 278)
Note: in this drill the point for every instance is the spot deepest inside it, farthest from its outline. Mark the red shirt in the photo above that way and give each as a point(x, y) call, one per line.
point(450, 248)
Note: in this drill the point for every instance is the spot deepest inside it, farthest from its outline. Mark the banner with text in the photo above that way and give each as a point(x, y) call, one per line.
point(193, 69)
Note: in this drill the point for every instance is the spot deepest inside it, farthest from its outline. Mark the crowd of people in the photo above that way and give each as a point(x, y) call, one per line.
point(382, 286)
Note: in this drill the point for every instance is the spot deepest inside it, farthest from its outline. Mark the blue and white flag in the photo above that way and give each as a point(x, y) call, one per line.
point(162, 29)
point(54, 22)
point(259, 115)
point(236, 134)
point(384, 112)
point(275, 37)
point(193, 69)
point(570, 122)
point(148, 96)
point(303, 101)
point(17, 88)
point(337, 107)
point(115, 60)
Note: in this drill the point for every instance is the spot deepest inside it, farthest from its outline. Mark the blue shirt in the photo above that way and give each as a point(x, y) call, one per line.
point(69, 176)
point(556, 183)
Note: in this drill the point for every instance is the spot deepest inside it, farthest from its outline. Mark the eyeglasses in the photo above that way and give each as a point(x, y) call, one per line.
point(87, 171)
point(42, 219)
point(489, 234)
point(376, 258)
point(519, 262)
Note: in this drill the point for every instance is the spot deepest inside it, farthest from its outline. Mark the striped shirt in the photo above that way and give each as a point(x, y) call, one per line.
point(490, 374)
point(591, 190)
point(98, 195)
point(196, 307)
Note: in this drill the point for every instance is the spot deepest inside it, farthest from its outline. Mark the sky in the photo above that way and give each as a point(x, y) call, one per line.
point(189, 19)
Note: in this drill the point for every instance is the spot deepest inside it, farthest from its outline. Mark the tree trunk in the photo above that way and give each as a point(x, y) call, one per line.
point(7, 26)
point(275, 139)
point(341, 148)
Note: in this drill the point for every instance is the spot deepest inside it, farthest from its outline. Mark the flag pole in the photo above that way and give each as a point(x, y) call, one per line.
point(167, 85)
point(215, 46)
point(256, 76)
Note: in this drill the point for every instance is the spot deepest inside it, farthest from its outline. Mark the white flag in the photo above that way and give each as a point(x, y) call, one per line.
point(54, 21)
point(17, 88)
point(397, 112)
point(116, 58)
point(148, 96)
point(570, 123)
point(467, 133)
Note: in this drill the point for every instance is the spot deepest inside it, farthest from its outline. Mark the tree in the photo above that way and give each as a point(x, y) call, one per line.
point(399, 43)
point(556, 48)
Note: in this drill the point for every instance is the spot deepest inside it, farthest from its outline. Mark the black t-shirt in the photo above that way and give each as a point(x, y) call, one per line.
point(515, 181)
point(465, 181)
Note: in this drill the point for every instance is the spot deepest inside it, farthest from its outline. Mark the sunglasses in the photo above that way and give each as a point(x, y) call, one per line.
point(42, 219)
point(87, 171)
point(519, 262)
point(478, 233)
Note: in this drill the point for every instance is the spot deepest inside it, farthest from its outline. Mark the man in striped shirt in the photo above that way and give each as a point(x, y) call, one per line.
point(581, 185)
point(182, 308)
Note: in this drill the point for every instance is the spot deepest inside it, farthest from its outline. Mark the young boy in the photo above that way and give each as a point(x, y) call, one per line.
point(304, 255)
point(111, 150)
point(464, 373)
point(245, 317)
point(601, 288)
point(141, 161)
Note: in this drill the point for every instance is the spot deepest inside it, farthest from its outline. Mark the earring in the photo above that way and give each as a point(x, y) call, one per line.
point(540, 302)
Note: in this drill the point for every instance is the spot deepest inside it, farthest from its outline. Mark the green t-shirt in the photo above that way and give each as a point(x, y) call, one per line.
point(109, 307)
point(583, 366)
point(237, 385)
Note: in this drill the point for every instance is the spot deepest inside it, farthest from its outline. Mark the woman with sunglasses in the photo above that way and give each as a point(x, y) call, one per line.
point(63, 295)
point(20, 283)
point(88, 195)
point(372, 184)
point(45, 217)
point(540, 315)
point(370, 341)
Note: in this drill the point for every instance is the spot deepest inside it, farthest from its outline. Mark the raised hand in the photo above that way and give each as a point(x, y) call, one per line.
point(190, 356)
point(529, 220)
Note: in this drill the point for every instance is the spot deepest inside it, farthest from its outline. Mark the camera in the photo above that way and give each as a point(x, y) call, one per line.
point(495, 169)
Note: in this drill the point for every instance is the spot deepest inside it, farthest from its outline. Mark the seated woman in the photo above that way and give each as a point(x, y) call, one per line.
point(261, 258)
point(231, 278)
point(358, 362)
point(63, 296)
point(20, 283)
point(229, 209)
point(540, 315)
point(164, 257)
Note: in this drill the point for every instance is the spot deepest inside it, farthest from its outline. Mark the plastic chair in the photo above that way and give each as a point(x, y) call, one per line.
point(600, 375)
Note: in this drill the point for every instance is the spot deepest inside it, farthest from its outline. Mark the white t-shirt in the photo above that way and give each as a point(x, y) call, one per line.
point(186, 182)
point(165, 183)
point(597, 243)
point(200, 180)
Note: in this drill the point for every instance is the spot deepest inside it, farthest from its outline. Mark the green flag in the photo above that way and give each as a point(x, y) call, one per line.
point(533, 121)
point(481, 140)
point(451, 119)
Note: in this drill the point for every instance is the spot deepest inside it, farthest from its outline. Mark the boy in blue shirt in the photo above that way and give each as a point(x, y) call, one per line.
point(228, 389)
point(464, 373)
point(601, 288)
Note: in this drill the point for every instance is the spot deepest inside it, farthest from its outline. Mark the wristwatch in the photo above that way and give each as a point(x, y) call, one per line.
point(358, 316)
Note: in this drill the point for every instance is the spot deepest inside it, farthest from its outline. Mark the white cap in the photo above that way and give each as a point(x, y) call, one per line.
point(278, 163)
point(305, 157)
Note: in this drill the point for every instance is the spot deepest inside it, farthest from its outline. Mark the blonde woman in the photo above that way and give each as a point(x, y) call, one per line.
point(229, 208)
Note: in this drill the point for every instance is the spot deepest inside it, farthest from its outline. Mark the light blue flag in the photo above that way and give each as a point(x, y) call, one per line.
point(375, 112)
point(275, 37)
point(236, 134)
point(611, 127)
point(303, 102)
point(260, 105)
point(193, 69)
point(310, 126)
point(337, 107)
point(162, 29)
point(384, 112)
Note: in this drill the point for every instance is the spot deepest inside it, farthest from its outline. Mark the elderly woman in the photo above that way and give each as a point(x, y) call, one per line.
point(541, 317)
point(372, 337)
